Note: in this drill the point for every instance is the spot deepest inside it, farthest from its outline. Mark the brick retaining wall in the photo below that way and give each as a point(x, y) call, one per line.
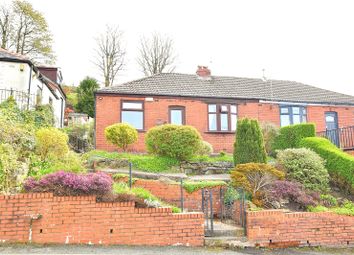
point(276, 228)
point(171, 193)
point(81, 220)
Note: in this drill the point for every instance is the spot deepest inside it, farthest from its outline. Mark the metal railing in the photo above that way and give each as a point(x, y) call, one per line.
point(23, 99)
point(342, 137)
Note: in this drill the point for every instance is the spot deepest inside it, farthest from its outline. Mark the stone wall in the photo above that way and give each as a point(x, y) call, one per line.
point(200, 168)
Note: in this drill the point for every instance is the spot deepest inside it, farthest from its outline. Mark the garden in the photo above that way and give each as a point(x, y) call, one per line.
point(287, 168)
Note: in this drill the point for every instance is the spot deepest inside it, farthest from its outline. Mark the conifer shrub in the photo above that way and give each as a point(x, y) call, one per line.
point(255, 178)
point(249, 144)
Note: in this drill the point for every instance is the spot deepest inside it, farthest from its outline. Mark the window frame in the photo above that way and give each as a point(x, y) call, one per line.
point(218, 113)
point(290, 113)
point(133, 110)
point(177, 107)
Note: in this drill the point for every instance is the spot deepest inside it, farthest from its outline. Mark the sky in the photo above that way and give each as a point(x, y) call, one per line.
point(305, 41)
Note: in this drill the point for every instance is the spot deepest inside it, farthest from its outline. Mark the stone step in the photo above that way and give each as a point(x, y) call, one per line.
point(223, 229)
point(228, 242)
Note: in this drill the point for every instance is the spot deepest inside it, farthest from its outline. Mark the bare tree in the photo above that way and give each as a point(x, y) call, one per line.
point(5, 26)
point(110, 54)
point(156, 55)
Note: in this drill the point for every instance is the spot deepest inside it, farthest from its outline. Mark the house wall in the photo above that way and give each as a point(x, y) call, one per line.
point(11, 77)
point(156, 112)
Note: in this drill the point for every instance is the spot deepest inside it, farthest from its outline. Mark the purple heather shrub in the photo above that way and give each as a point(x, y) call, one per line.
point(293, 192)
point(68, 184)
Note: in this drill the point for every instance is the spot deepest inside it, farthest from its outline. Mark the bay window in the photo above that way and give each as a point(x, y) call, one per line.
point(133, 113)
point(222, 117)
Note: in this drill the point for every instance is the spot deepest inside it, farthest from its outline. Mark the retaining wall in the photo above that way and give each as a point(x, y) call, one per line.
point(82, 220)
point(277, 228)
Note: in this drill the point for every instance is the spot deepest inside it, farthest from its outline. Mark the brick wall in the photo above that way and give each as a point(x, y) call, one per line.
point(276, 228)
point(81, 220)
point(171, 193)
point(156, 112)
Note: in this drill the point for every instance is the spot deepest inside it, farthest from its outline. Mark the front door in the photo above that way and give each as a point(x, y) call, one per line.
point(332, 131)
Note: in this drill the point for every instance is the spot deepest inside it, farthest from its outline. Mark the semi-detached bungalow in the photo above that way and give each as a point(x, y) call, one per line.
point(212, 104)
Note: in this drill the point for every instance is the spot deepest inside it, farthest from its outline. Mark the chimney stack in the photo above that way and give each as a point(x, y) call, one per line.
point(203, 72)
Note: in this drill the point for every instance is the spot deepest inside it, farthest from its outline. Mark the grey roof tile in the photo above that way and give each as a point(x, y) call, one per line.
point(188, 85)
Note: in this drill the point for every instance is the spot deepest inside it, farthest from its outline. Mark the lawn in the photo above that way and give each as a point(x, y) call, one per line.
point(151, 163)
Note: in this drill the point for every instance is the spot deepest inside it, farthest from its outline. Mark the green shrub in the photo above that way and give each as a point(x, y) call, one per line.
point(174, 141)
point(249, 144)
point(270, 131)
point(304, 166)
point(255, 178)
point(9, 166)
point(346, 209)
point(121, 135)
point(340, 165)
point(328, 200)
point(51, 142)
point(20, 136)
point(290, 136)
point(205, 148)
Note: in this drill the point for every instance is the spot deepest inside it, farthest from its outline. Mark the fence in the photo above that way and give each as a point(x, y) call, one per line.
point(23, 99)
point(78, 144)
point(342, 137)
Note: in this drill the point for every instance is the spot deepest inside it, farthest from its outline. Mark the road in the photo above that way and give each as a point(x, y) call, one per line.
point(129, 250)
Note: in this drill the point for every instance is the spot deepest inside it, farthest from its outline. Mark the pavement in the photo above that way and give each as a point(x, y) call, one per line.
point(143, 250)
point(172, 176)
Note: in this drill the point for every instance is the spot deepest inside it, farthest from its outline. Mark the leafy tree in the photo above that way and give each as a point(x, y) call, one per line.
point(249, 144)
point(25, 31)
point(86, 97)
point(156, 55)
point(121, 135)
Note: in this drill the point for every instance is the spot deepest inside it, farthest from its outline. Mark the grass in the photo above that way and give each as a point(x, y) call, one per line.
point(147, 163)
point(122, 188)
point(151, 163)
point(190, 187)
point(346, 209)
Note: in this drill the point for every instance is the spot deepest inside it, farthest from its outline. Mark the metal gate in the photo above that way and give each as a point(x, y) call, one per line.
point(233, 208)
point(208, 210)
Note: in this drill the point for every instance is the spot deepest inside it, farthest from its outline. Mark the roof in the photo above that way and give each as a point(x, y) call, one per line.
point(8, 55)
point(15, 57)
point(188, 85)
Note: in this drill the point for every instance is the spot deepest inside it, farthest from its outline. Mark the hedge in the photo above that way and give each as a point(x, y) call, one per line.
point(339, 164)
point(290, 136)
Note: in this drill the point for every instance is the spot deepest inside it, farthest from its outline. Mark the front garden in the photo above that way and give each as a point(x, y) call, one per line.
point(285, 168)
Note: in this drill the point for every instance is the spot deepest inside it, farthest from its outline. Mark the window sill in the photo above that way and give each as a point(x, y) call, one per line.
point(141, 130)
point(220, 132)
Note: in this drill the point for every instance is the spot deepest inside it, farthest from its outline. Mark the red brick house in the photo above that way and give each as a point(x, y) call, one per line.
point(213, 104)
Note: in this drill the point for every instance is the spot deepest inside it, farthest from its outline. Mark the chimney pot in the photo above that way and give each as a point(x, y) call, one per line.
point(203, 72)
